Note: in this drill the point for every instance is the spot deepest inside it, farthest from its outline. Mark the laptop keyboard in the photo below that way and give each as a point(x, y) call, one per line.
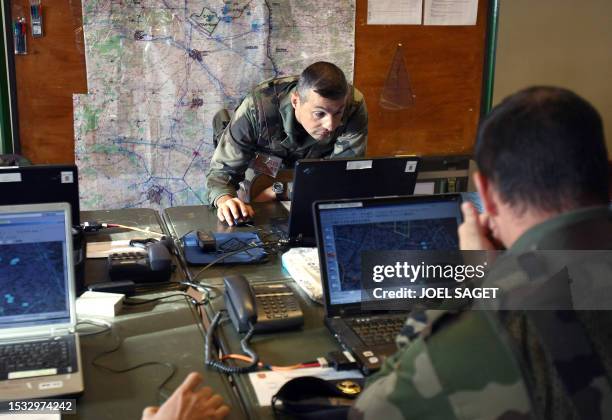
point(377, 331)
point(38, 356)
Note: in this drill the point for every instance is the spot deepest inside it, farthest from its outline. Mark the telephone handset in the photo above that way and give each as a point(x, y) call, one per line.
point(155, 265)
point(261, 308)
point(269, 307)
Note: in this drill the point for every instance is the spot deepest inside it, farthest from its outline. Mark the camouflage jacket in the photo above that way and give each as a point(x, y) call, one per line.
point(265, 122)
point(480, 364)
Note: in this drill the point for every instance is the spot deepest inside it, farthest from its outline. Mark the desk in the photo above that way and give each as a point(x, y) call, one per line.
point(166, 331)
point(285, 348)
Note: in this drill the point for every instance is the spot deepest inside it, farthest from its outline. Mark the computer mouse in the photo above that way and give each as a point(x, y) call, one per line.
point(243, 222)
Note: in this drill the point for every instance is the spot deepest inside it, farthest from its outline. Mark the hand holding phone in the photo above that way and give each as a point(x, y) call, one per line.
point(475, 233)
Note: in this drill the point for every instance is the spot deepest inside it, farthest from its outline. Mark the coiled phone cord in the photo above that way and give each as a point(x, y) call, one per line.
point(244, 344)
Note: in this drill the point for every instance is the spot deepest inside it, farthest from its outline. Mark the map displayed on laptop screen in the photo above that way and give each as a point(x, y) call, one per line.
point(350, 231)
point(32, 256)
point(352, 240)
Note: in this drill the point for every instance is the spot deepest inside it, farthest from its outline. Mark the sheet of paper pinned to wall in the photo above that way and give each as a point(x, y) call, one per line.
point(450, 12)
point(395, 12)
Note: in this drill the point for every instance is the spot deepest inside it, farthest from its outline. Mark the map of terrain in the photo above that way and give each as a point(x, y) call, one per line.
point(158, 71)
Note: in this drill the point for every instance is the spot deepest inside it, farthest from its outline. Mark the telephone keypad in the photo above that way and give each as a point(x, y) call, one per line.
point(276, 302)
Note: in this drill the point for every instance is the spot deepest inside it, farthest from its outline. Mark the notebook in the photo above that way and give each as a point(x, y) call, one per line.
point(345, 228)
point(41, 184)
point(39, 349)
point(327, 179)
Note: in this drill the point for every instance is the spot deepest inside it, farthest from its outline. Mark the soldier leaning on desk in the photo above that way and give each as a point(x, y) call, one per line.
point(318, 115)
point(543, 182)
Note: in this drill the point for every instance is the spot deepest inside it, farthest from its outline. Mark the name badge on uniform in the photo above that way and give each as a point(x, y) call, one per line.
point(266, 164)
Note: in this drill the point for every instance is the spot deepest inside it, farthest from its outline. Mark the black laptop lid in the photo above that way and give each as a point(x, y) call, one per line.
point(318, 179)
point(41, 184)
point(346, 228)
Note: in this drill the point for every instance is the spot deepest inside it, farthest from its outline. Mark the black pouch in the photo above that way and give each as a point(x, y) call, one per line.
point(309, 397)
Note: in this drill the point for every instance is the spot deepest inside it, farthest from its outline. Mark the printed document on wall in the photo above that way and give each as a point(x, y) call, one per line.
point(450, 12)
point(395, 12)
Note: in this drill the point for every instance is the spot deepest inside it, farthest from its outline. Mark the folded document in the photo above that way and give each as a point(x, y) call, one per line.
point(303, 266)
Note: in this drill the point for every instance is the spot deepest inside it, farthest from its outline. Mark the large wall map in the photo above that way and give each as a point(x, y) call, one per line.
point(158, 70)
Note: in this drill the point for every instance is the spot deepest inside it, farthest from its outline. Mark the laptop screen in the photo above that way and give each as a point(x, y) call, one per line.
point(352, 178)
point(33, 263)
point(41, 184)
point(411, 223)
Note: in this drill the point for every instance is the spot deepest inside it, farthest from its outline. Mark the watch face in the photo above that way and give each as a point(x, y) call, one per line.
point(278, 187)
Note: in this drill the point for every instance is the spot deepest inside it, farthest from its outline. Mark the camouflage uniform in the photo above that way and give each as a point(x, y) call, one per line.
point(265, 123)
point(478, 364)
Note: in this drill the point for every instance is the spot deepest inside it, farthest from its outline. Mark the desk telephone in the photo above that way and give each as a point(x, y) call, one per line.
point(270, 307)
point(261, 308)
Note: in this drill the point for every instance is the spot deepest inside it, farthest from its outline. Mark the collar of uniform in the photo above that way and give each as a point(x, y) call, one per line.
point(290, 124)
point(529, 240)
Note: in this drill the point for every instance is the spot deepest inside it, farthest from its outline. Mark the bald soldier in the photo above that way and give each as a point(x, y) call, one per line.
point(315, 115)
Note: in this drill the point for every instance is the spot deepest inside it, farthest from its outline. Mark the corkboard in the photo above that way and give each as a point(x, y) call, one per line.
point(46, 78)
point(445, 67)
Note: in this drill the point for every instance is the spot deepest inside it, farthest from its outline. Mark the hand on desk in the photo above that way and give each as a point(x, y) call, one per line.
point(232, 210)
point(186, 403)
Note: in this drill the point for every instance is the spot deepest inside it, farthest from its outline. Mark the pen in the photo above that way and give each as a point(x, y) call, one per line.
point(19, 32)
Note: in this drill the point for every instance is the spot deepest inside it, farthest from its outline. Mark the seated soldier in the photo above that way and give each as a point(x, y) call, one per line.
point(543, 182)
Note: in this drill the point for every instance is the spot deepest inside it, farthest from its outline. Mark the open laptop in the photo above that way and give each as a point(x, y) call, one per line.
point(345, 229)
point(39, 349)
point(327, 179)
point(41, 184)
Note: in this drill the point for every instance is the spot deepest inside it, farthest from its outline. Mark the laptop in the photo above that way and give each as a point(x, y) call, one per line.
point(39, 349)
point(345, 229)
point(327, 179)
point(41, 184)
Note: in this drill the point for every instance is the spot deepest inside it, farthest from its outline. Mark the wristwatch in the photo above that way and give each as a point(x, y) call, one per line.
point(278, 188)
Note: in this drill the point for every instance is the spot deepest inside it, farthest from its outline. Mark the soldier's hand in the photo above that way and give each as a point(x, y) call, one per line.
point(187, 403)
point(475, 231)
point(232, 210)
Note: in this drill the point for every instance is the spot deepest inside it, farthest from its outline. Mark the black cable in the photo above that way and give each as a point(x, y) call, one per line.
point(244, 344)
point(157, 286)
point(250, 246)
point(95, 363)
point(144, 302)
point(205, 289)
